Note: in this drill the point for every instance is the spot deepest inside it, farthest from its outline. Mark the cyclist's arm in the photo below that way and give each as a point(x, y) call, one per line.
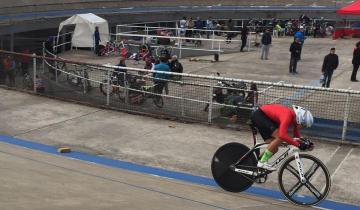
point(283, 132)
point(296, 132)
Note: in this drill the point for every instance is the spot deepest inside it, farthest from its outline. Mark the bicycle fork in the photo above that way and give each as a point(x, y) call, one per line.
point(300, 168)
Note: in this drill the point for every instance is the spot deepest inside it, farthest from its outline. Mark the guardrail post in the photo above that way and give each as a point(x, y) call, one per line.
point(210, 103)
point(34, 73)
point(182, 99)
point(126, 89)
point(180, 47)
point(43, 60)
point(219, 50)
point(56, 70)
point(346, 117)
point(108, 88)
point(212, 41)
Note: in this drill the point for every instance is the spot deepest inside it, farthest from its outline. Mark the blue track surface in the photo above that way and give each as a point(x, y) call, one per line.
point(157, 171)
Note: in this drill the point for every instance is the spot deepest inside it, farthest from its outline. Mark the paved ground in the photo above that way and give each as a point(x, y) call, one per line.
point(148, 141)
point(248, 65)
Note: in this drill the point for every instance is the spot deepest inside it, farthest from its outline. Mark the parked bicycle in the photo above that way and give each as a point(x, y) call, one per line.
point(79, 78)
point(164, 50)
point(111, 48)
point(140, 91)
point(117, 86)
point(303, 179)
point(27, 81)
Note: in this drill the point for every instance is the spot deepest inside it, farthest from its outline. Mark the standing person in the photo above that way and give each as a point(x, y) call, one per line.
point(9, 69)
point(277, 30)
point(301, 36)
point(295, 50)
point(355, 62)
point(209, 26)
point(331, 62)
point(25, 60)
point(190, 26)
point(2, 72)
point(120, 73)
point(160, 79)
point(230, 27)
point(97, 40)
point(176, 67)
point(266, 42)
point(244, 33)
point(182, 26)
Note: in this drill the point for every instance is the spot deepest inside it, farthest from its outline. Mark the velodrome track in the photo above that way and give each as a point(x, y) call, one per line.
point(124, 166)
point(35, 176)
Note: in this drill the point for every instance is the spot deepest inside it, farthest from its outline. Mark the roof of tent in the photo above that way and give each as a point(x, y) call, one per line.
point(84, 29)
point(352, 9)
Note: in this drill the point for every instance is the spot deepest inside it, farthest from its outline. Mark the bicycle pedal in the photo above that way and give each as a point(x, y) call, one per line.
point(261, 180)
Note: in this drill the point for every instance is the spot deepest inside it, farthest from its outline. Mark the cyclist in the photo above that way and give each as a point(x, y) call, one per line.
point(273, 122)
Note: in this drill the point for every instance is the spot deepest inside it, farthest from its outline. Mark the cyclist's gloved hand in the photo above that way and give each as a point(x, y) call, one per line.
point(303, 146)
point(306, 145)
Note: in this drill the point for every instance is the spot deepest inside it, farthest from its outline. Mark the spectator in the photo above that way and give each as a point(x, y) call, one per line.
point(244, 33)
point(230, 27)
point(182, 26)
point(253, 95)
point(160, 79)
point(2, 72)
point(301, 36)
point(190, 27)
point(198, 24)
point(295, 50)
point(97, 40)
point(277, 30)
point(355, 62)
point(266, 42)
point(209, 26)
point(331, 62)
point(176, 67)
point(9, 69)
point(149, 63)
point(25, 60)
point(120, 73)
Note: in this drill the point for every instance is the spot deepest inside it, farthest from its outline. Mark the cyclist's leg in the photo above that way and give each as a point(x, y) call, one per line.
point(269, 132)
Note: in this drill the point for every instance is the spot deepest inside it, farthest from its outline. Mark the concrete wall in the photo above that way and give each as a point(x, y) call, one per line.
point(21, 6)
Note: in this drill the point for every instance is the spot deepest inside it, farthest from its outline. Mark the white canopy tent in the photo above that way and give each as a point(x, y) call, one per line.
point(83, 35)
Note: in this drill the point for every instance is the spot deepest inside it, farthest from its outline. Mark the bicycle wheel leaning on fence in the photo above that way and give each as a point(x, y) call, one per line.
point(27, 82)
point(164, 50)
point(79, 78)
point(116, 87)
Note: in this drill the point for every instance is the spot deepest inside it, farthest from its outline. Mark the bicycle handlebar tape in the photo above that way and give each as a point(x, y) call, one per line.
point(64, 150)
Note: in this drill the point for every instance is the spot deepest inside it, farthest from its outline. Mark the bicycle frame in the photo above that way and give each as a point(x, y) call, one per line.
point(257, 146)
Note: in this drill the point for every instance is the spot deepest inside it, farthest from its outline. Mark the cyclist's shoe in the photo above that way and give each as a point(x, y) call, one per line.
point(266, 166)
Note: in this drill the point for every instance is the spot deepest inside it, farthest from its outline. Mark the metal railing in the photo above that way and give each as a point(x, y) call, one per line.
point(191, 97)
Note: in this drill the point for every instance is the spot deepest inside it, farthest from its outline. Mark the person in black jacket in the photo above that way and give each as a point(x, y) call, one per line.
point(176, 66)
point(244, 33)
point(295, 50)
point(266, 42)
point(331, 62)
point(355, 62)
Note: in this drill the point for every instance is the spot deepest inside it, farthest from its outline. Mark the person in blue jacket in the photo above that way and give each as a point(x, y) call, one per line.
point(160, 79)
point(300, 35)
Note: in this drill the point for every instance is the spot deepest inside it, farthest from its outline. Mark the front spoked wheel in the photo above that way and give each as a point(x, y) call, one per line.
point(223, 173)
point(316, 187)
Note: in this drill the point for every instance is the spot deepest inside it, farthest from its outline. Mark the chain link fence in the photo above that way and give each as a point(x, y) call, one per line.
point(217, 100)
